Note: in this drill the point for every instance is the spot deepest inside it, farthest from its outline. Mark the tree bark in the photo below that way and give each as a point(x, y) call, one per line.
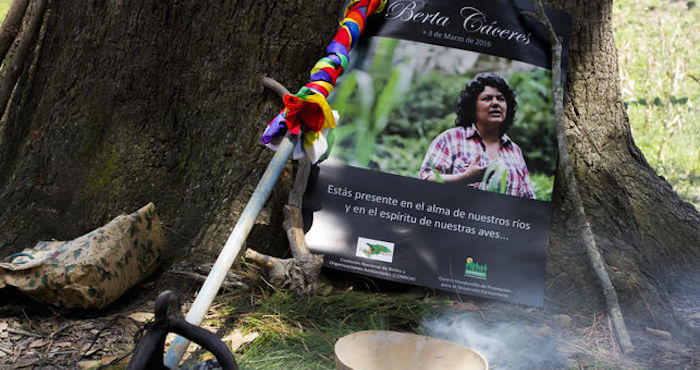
point(648, 236)
point(10, 25)
point(15, 63)
point(129, 101)
point(594, 257)
point(133, 101)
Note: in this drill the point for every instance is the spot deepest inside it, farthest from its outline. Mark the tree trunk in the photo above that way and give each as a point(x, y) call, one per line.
point(648, 237)
point(137, 101)
point(126, 102)
point(10, 25)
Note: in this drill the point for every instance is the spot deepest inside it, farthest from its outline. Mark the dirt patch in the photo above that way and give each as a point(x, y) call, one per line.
point(33, 335)
point(38, 336)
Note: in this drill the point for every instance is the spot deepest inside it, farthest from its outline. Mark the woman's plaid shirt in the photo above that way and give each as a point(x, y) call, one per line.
point(455, 149)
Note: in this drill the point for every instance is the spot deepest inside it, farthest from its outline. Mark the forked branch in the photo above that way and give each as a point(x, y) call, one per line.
point(299, 273)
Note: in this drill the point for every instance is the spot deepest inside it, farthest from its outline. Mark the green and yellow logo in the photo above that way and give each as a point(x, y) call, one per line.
point(375, 249)
point(379, 250)
point(473, 268)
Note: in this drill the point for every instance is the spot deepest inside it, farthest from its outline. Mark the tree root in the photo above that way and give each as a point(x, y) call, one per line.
point(16, 62)
point(594, 256)
point(10, 26)
point(299, 273)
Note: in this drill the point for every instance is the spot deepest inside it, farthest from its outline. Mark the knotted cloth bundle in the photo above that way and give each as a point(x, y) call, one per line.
point(307, 112)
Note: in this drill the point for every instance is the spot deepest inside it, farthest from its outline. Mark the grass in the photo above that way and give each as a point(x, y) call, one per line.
point(543, 185)
point(659, 73)
point(4, 7)
point(300, 332)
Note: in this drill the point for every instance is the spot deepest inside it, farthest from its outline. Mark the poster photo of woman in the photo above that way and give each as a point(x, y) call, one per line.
point(448, 115)
point(485, 111)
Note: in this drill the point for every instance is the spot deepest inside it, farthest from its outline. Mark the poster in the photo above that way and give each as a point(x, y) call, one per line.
point(443, 161)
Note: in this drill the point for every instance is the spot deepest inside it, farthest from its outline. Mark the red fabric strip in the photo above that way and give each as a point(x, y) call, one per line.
point(343, 37)
point(318, 87)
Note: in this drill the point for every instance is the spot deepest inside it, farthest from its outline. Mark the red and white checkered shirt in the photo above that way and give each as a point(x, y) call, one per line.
point(455, 149)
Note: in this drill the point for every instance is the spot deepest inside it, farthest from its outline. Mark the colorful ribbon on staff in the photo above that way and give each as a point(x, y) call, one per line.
point(307, 112)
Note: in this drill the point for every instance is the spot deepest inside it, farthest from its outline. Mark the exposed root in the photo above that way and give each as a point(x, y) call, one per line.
point(10, 25)
point(297, 274)
point(16, 62)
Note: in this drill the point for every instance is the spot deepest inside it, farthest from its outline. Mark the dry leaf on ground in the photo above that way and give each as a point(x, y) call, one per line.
point(465, 306)
point(237, 339)
point(142, 317)
point(108, 359)
point(37, 343)
point(88, 364)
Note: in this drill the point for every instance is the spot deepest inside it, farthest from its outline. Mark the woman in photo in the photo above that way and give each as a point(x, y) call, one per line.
point(485, 111)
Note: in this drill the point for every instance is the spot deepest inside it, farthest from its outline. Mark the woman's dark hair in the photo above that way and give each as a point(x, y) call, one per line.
point(466, 104)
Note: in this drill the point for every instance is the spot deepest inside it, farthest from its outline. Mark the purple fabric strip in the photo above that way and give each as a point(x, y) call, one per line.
point(321, 76)
point(335, 59)
point(277, 127)
point(337, 48)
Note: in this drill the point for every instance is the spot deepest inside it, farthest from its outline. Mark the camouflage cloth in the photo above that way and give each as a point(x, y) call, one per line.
point(92, 270)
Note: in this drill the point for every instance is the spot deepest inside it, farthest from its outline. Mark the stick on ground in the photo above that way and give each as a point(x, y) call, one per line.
point(572, 188)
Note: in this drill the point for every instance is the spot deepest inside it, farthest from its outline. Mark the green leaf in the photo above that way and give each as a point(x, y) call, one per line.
point(384, 57)
point(365, 93)
point(504, 182)
point(390, 97)
point(364, 148)
point(438, 176)
point(342, 93)
point(495, 177)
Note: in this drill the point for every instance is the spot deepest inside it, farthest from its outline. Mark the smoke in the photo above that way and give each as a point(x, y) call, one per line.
point(506, 345)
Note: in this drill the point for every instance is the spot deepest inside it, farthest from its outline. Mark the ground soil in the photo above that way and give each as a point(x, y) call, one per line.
point(39, 336)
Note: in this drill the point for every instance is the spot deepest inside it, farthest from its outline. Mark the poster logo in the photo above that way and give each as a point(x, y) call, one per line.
point(473, 268)
point(378, 250)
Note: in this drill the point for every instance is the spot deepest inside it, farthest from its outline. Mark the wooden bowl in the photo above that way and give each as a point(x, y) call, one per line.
point(380, 349)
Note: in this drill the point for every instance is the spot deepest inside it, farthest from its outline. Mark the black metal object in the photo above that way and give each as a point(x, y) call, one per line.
point(168, 318)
